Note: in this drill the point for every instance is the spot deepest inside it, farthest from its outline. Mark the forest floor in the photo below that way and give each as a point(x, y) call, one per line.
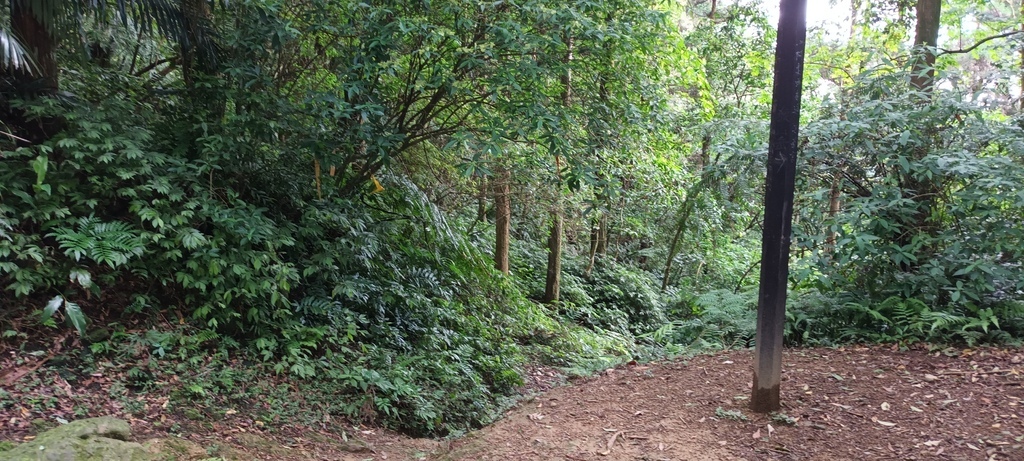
point(849, 403)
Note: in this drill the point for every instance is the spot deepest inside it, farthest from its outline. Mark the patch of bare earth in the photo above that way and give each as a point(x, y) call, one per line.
point(852, 403)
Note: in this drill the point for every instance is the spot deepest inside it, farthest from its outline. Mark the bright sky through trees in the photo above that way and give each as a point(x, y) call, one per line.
point(831, 15)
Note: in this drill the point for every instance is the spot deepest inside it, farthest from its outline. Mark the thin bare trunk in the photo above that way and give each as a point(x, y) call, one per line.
point(602, 235)
point(833, 210)
point(593, 248)
point(553, 283)
point(481, 202)
point(502, 218)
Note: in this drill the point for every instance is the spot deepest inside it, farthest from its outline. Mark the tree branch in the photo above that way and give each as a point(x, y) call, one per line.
point(979, 43)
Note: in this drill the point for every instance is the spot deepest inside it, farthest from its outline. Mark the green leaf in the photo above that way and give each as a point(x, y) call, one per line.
point(81, 276)
point(40, 165)
point(75, 317)
point(52, 307)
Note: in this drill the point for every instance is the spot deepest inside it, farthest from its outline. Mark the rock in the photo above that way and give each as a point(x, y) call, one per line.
point(93, 439)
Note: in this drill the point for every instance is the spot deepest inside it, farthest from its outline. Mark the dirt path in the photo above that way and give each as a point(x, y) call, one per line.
point(854, 403)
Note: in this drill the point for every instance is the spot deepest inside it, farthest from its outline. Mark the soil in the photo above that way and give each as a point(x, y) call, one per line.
point(851, 403)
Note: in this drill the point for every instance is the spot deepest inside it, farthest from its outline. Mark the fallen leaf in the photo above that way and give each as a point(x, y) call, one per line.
point(913, 408)
point(757, 434)
point(930, 378)
point(770, 430)
point(884, 423)
point(932, 443)
point(885, 406)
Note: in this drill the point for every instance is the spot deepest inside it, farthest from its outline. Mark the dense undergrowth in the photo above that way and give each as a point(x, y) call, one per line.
point(235, 235)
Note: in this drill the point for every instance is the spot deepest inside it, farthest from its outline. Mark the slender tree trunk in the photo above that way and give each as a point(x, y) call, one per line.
point(553, 283)
point(502, 217)
point(602, 235)
point(481, 202)
point(593, 248)
point(644, 245)
point(833, 210)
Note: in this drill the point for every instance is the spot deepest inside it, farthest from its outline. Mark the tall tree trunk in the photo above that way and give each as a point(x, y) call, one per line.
point(926, 39)
point(593, 248)
point(502, 217)
point(833, 209)
point(922, 78)
point(553, 281)
point(41, 44)
point(783, 139)
point(481, 202)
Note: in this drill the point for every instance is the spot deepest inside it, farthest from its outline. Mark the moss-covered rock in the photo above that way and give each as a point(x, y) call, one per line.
point(93, 439)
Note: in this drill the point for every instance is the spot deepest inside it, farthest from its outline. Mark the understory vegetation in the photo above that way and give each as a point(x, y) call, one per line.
point(395, 209)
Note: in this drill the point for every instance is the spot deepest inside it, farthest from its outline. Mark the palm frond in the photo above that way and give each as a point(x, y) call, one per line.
point(184, 22)
point(13, 55)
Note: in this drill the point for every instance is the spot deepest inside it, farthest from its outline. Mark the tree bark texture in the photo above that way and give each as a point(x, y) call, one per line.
point(553, 283)
point(926, 40)
point(784, 134)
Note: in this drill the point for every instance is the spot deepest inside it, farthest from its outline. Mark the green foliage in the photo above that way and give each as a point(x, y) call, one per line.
point(625, 299)
point(734, 415)
point(718, 319)
point(926, 192)
point(817, 319)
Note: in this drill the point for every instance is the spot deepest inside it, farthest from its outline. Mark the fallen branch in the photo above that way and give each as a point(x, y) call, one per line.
point(12, 377)
point(611, 443)
point(981, 372)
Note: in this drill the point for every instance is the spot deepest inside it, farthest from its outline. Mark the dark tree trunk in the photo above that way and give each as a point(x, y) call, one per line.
point(481, 202)
point(835, 193)
point(553, 282)
point(40, 43)
point(41, 83)
point(502, 217)
point(784, 134)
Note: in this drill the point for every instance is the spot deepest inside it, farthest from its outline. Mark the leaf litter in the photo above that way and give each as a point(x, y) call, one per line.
point(884, 407)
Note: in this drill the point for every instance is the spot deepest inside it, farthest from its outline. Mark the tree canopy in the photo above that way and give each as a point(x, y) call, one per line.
point(410, 201)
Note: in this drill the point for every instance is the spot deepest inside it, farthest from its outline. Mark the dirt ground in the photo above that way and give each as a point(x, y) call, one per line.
point(852, 403)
